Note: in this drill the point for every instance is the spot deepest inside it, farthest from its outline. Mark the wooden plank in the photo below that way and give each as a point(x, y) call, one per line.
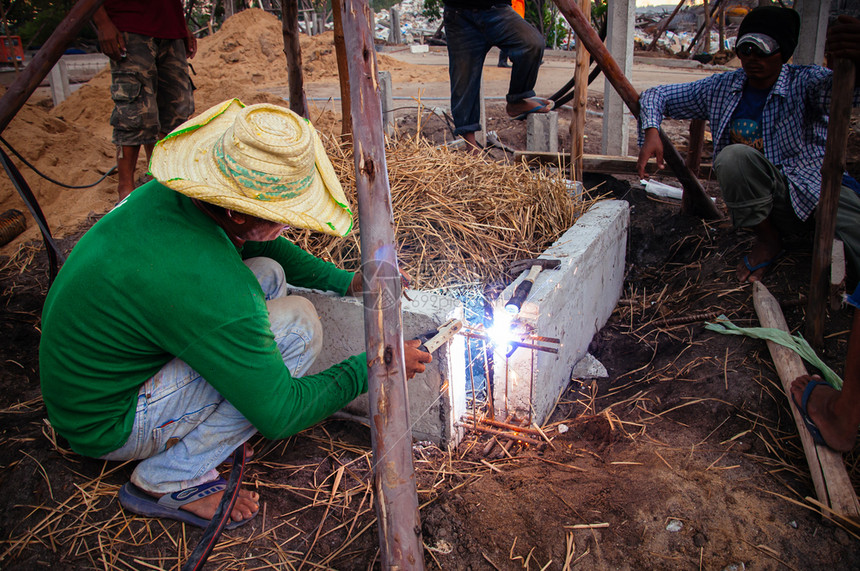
point(607, 164)
point(832, 484)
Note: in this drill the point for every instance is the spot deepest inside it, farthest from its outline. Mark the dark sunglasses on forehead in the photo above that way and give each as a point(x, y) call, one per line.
point(748, 49)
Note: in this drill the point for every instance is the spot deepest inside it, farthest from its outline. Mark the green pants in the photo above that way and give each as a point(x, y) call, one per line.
point(754, 189)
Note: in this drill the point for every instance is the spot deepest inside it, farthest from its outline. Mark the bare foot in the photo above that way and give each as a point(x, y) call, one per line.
point(837, 431)
point(246, 505)
point(471, 143)
point(526, 105)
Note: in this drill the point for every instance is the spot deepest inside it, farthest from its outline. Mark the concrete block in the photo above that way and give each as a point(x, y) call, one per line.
point(419, 48)
point(386, 98)
point(619, 41)
point(570, 303)
point(542, 132)
point(437, 397)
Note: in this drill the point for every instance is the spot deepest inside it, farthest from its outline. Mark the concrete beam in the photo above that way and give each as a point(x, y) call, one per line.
point(619, 42)
point(570, 303)
point(437, 397)
point(542, 132)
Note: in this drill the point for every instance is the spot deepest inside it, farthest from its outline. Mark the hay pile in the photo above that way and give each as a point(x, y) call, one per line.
point(459, 221)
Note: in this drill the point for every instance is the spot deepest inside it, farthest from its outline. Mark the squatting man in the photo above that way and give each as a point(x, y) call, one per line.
point(168, 336)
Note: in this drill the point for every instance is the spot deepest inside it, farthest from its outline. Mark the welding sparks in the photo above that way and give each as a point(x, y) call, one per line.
point(501, 333)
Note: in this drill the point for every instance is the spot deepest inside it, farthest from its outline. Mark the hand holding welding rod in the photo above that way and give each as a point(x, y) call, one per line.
point(414, 357)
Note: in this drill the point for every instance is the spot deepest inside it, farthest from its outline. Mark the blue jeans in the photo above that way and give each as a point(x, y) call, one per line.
point(183, 428)
point(471, 33)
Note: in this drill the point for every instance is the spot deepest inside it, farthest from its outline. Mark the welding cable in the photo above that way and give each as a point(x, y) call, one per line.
point(49, 179)
point(55, 256)
point(204, 547)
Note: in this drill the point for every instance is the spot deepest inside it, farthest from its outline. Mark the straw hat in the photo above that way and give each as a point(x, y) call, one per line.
point(262, 160)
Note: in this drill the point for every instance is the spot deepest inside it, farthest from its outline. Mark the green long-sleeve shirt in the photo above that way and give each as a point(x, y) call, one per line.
point(157, 279)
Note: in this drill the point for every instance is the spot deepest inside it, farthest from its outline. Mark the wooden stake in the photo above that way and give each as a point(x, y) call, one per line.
point(579, 104)
point(293, 51)
point(42, 63)
point(831, 185)
point(697, 143)
point(396, 499)
point(832, 484)
point(666, 25)
point(342, 71)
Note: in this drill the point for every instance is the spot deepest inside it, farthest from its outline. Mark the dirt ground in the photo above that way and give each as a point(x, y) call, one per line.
point(685, 457)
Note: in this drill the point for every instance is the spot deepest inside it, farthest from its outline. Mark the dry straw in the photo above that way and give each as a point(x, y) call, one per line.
point(458, 220)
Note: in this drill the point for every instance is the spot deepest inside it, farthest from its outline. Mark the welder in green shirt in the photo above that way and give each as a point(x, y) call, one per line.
point(168, 336)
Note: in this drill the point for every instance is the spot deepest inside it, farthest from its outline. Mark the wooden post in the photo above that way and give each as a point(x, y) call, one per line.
point(696, 145)
point(342, 71)
point(831, 186)
point(722, 28)
point(829, 477)
point(695, 200)
point(706, 46)
point(395, 496)
point(293, 51)
point(666, 25)
point(698, 35)
point(579, 103)
point(40, 66)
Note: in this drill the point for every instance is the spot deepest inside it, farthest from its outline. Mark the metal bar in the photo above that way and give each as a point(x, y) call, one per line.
point(494, 432)
point(535, 347)
point(514, 427)
point(395, 497)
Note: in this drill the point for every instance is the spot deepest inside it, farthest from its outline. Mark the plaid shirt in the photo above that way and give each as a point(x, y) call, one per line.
point(794, 120)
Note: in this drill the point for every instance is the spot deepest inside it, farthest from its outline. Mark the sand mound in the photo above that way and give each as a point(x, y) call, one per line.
point(72, 142)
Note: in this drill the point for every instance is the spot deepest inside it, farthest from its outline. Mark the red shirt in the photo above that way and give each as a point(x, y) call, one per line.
point(154, 18)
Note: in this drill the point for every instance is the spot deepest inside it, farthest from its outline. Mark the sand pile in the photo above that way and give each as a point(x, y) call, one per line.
point(72, 143)
point(244, 59)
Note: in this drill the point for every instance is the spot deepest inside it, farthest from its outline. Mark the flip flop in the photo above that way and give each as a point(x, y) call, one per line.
point(764, 264)
point(804, 414)
point(137, 501)
point(537, 109)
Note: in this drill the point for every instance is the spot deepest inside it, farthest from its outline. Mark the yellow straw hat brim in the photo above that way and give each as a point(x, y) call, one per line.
point(263, 160)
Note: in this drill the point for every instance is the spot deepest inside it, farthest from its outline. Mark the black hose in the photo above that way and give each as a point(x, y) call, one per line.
point(55, 256)
point(204, 547)
point(46, 177)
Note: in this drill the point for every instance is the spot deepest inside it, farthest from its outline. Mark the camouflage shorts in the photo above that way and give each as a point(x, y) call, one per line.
point(151, 90)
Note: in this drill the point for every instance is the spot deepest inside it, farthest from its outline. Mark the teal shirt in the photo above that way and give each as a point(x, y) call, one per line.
point(156, 279)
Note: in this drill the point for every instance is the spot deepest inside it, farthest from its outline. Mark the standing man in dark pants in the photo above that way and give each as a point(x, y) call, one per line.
point(472, 28)
point(147, 42)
